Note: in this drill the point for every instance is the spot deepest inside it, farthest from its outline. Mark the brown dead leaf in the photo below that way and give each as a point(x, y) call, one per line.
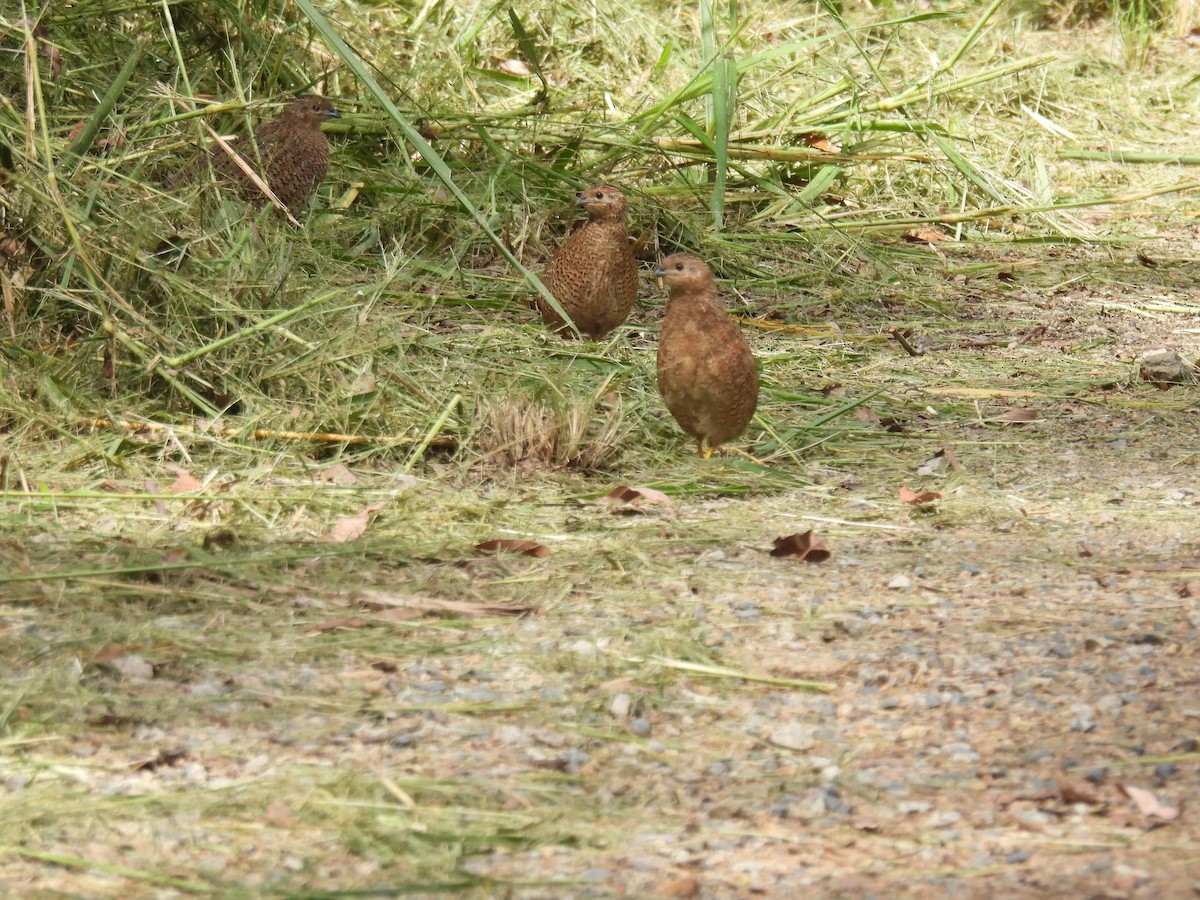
point(115, 140)
point(630, 500)
point(820, 142)
point(510, 545)
point(911, 497)
point(805, 547)
point(866, 414)
point(1075, 793)
point(184, 481)
point(926, 235)
point(1148, 804)
point(108, 653)
point(338, 474)
point(350, 527)
point(1017, 416)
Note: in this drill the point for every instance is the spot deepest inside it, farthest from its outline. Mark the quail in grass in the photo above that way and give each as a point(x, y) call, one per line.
point(289, 153)
point(593, 275)
point(706, 372)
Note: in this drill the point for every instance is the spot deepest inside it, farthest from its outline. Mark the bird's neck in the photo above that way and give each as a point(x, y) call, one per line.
point(694, 300)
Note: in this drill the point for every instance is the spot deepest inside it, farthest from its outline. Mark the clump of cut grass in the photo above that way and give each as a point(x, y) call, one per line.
point(523, 433)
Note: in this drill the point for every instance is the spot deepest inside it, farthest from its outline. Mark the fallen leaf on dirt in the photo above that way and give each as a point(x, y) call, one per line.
point(510, 545)
point(866, 414)
point(108, 653)
point(1017, 416)
point(338, 474)
point(805, 547)
point(112, 143)
point(1075, 793)
point(183, 482)
point(629, 500)
point(350, 527)
point(517, 67)
point(421, 606)
point(911, 497)
point(926, 235)
point(820, 142)
point(1148, 804)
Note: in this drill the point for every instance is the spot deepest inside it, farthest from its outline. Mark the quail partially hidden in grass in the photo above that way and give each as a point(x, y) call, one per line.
point(593, 275)
point(289, 153)
point(706, 372)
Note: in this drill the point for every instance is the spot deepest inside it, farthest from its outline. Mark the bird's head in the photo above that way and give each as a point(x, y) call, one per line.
point(683, 271)
point(604, 203)
point(311, 109)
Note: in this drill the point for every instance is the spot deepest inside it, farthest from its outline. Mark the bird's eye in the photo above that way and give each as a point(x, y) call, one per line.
point(678, 267)
point(599, 195)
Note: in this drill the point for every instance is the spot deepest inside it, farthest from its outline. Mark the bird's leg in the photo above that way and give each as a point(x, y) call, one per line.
point(703, 450)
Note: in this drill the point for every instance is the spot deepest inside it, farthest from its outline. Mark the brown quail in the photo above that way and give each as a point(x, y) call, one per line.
point(706, 372)
point(289, 153)
point(593, 275)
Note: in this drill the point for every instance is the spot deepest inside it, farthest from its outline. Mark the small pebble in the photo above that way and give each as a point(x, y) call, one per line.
point(1166, 771)
point(619, 706)
point(639, 727)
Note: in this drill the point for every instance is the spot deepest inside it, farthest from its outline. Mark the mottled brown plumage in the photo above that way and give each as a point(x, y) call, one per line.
point(706, 372)
point(289, 153)
point(593, 275)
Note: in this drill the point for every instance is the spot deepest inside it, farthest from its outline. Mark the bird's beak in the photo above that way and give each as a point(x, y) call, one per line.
point(582, 200)
point(659, 272)
point(332, 114)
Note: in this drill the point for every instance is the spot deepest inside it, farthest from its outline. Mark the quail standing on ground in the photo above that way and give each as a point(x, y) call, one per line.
point(593, 275)
point(289, 153)
point(706, 372)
